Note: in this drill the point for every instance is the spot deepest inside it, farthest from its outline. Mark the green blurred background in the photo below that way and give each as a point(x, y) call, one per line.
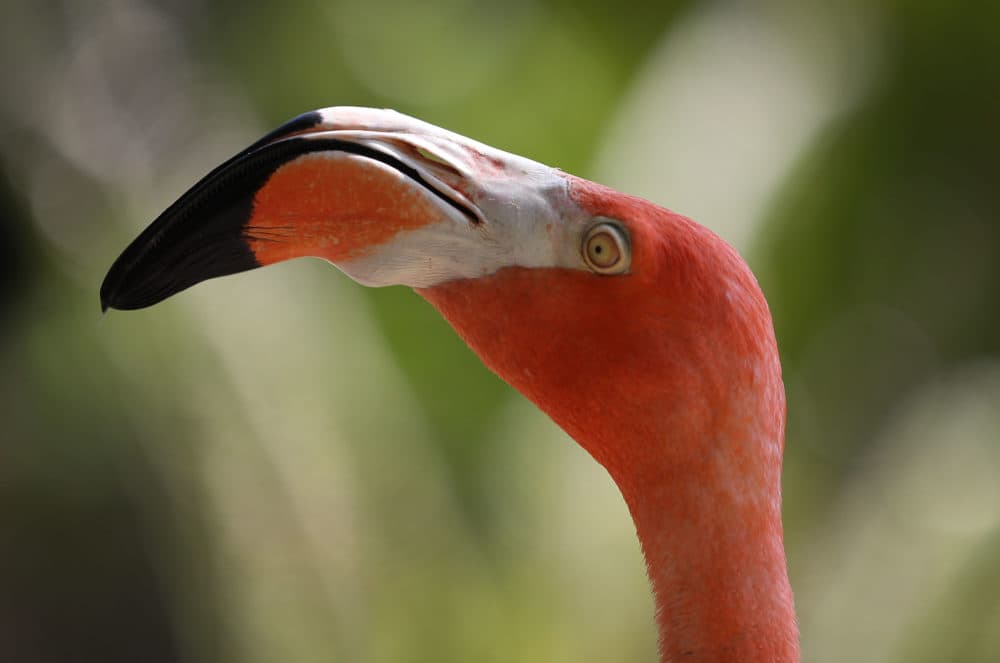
point(283, 466)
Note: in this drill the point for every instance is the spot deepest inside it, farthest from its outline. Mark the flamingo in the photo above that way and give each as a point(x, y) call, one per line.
point(641, 333)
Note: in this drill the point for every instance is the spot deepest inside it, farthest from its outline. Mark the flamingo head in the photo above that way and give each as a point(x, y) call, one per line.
point(562, 286)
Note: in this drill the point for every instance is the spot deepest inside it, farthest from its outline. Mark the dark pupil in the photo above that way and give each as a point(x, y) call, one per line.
point(598, 248)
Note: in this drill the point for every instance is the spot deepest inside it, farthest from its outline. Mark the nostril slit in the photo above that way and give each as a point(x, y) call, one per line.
point(431, 163)
point(427, 155)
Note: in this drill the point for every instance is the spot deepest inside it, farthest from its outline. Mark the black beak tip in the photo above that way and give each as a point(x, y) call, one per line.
point(201, 236)
point(149, 272)
point(106, 298)
point(111, 290)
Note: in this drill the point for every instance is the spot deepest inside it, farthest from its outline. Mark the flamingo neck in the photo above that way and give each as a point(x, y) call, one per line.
point(716, 562)
point(684, 406)
point(698, 462)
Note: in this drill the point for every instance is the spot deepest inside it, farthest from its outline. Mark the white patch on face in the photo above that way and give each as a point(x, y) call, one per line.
point(520, 229)
point(526, 217)
point(421, 258)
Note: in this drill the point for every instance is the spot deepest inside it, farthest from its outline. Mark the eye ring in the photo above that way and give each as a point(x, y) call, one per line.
point(606, 248)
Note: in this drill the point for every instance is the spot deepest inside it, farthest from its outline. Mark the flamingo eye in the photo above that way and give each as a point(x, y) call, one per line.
point(606, 249)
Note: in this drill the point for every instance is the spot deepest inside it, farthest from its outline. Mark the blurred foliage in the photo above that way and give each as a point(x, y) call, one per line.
point(282, 466)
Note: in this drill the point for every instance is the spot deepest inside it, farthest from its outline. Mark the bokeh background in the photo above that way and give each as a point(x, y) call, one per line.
point(283, 466)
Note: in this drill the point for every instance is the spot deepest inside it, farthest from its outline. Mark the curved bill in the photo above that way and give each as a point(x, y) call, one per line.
point(311, 187)
point(386, 198)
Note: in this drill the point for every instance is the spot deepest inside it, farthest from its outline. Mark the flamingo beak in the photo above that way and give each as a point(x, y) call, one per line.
point(386, 198)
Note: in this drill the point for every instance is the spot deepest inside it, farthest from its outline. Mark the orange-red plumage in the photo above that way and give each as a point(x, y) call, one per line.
point(670, 379)
point(666, 370)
